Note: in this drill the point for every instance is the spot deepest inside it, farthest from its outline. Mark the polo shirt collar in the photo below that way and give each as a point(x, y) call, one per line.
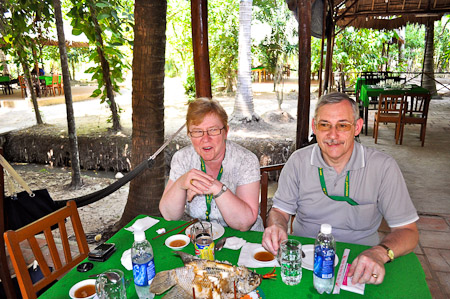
point(356, 160)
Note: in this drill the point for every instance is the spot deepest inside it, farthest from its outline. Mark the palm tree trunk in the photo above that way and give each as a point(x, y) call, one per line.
point(148, 107)
point(73, 140)
point(243, 104)
point(428, 62)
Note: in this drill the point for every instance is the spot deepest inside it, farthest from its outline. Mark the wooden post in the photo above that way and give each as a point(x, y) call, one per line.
point(5, 275)
point(329, 57)
point(325, 4)
point(199, 19)
point(304, 72)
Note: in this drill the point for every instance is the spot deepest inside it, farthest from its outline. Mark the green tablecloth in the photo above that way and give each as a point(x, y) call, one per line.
point(368, 91)
point(4, 79)
point(359, 82)
point(405, 277)
point(48, 79)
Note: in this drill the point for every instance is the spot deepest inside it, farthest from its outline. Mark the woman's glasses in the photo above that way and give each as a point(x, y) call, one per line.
point(342, 126)
point(210, 132)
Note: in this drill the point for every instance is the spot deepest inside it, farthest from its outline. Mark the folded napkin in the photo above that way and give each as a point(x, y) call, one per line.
point(234, 243)
point(246, 257)
point(126, 260)
point(142, 224)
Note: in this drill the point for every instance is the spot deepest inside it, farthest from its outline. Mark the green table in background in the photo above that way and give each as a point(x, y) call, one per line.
point(5, 80)
point(405, 277)
point(48, 79)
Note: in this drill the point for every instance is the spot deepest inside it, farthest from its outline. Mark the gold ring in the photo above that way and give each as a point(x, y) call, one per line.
point(375, 275)
point(192, 182)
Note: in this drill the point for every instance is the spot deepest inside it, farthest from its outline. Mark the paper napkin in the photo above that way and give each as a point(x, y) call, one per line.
point(234, 243)
point(142, 224)
point(126, 259)
point(246, 257)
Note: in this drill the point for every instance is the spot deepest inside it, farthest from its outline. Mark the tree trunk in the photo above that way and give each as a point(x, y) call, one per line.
point(243, 104)
point(148, 107)
point(32, 92)
point(106, 71)
point(73, 140)
point(428, 62)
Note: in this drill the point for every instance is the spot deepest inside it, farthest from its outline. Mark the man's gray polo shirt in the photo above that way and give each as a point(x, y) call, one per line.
point(376, 184)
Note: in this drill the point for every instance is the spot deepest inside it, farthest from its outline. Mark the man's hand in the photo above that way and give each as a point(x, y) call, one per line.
point(272, 237)
point(368, 267)
point(276, 230)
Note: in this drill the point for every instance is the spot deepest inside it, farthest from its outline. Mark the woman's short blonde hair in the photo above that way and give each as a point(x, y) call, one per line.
point(201, 107)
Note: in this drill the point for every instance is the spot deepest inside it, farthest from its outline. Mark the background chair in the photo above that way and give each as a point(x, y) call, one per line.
point(13, 240)
point(22, 85)
point(264, 188)
point(390, 109)
point(415, 111)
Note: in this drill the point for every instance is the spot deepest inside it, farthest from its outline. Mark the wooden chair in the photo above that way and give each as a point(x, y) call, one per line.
point(56, 85)
point(390, 110)
point(264, 170)
point(14, 238)
point(415, 111)
point(23, 86)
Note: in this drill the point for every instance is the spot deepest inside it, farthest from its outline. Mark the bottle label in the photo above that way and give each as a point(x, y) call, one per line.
point(324, 262)
point(143, 274)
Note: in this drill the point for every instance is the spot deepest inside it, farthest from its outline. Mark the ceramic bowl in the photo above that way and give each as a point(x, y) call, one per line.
point(79, 285)
point(177, 242)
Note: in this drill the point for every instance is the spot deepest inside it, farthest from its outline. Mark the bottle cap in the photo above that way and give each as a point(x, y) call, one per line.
point(325, 229)
point(139, 236)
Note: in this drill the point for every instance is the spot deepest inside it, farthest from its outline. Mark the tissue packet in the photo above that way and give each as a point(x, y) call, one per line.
point(349, 286)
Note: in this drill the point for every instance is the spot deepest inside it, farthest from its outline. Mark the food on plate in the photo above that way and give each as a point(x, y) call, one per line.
point(209, 279)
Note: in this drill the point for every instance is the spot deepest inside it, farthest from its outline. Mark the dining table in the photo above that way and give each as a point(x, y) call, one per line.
point(48, 79)
point(373, 91)
point(404, 278)
point(6, 82)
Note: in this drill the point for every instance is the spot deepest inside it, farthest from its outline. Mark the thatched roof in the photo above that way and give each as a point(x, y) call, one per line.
point(388, 14)
point(69, 44)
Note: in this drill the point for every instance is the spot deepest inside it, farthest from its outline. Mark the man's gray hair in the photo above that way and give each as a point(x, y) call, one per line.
point(335, 98)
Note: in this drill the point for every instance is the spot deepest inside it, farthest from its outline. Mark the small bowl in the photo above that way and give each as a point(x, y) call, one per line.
point(80, 285)
point(261, 255)
point(177, 242)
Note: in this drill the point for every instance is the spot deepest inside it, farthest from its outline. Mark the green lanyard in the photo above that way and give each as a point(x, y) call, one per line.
point(346, 190)
point(209, 197)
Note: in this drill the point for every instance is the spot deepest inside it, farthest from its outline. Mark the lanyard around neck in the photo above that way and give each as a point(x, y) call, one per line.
point(209, 197)
point(346, 189)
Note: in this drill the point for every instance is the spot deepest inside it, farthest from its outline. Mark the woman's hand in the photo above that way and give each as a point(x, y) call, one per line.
point(195, 182)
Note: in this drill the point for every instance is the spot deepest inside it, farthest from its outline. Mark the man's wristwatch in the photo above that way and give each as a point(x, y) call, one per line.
point(389, 252)
point(222, 191)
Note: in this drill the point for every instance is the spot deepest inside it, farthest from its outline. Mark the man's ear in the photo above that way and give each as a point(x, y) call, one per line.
point(313, 126)
point(358, 126)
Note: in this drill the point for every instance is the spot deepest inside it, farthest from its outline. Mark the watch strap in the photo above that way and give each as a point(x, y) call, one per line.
point(389, 252)
point(222, 191)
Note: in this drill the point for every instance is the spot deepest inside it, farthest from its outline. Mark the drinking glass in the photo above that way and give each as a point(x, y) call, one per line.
point(111, 285)
point(290, 259)
point(202, 237)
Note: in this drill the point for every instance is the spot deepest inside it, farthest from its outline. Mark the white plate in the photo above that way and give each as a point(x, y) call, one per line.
point(308, 260)
point(79, 285)
point(259, 249)
point(217, 229)
point(177, 237)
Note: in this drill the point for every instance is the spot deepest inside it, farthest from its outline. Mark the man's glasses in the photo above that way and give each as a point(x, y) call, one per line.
point(342, 126)
point(210, 132)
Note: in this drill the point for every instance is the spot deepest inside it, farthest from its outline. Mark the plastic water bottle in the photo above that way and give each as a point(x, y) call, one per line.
point(143, 265)
point(324, 253)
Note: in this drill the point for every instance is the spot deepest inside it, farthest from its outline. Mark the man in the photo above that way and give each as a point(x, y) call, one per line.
point(347, 185)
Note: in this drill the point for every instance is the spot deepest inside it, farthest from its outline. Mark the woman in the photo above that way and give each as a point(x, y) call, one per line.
point(213, 179)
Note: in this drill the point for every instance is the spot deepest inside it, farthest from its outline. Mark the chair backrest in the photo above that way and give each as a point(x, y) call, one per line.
point(264, 170)
point(55, 79)
point(13, 241)
point(390, 103)
point(416, 105)
point(22, 82)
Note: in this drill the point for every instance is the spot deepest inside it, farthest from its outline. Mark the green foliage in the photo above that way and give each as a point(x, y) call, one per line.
point(115, 19)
